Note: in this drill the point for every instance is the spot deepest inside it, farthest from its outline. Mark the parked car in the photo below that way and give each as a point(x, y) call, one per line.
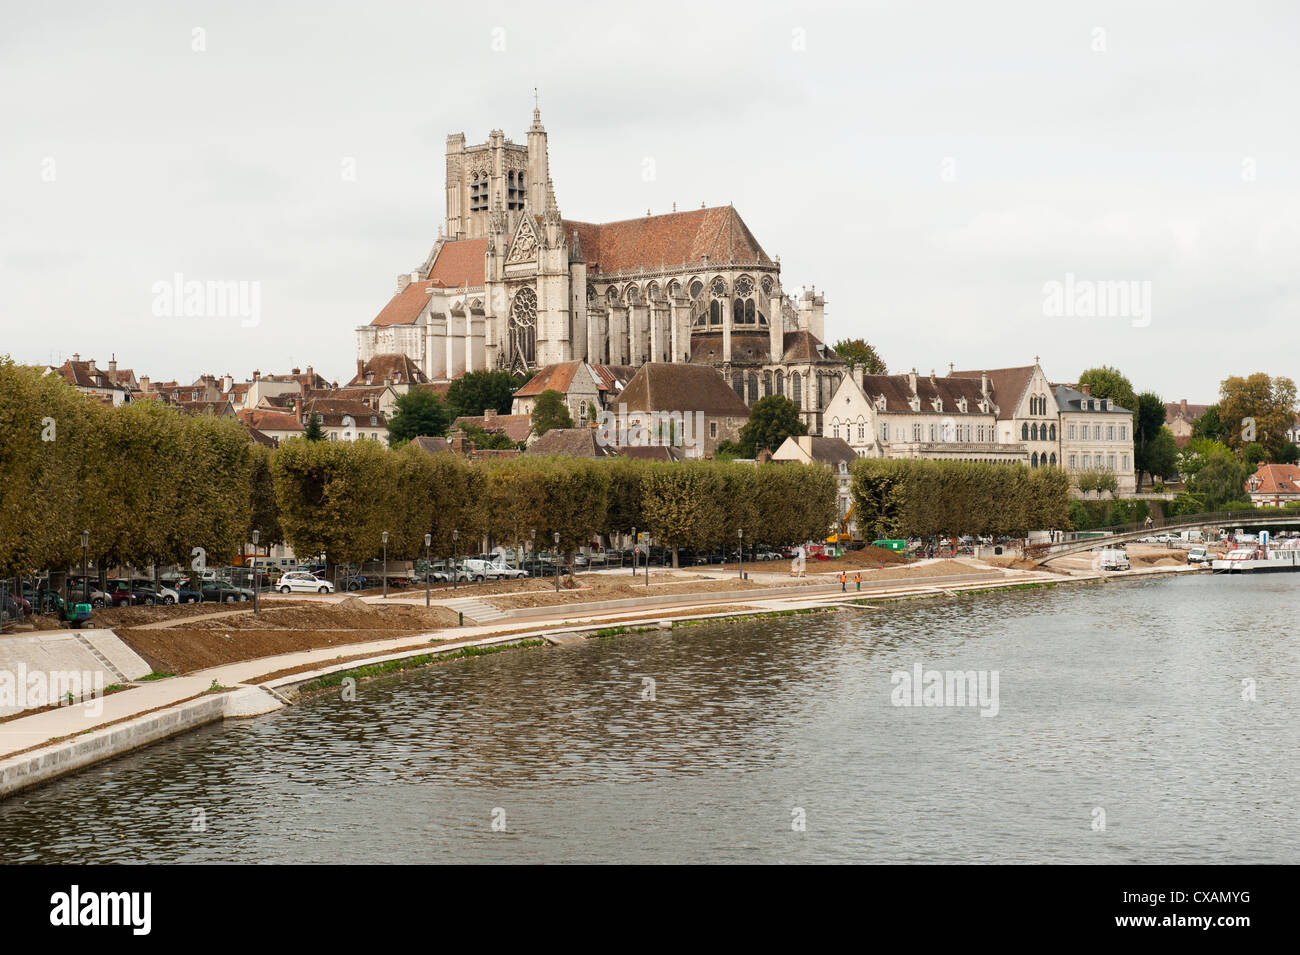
point(146, 594)
point(119, 593)
point(185, 593)
point(1199, 554)
point(500, 570)
point(301, 582)
point(218, 591)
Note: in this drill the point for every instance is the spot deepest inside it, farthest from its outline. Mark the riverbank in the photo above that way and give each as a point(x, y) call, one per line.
point(45, 745)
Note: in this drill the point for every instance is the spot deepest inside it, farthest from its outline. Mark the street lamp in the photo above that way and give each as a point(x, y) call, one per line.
point(455, 534)
point(256, 536)
point(384, 572)
point(634, 552)
point(85, 580)
point(740, 554)
point(557, 561)
point(532, 552)
point(428, 542)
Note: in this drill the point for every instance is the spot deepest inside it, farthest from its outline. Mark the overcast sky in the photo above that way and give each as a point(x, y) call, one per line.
point(930, 166)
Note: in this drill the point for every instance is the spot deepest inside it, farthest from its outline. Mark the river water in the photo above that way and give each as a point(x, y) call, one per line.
point(1124, 732)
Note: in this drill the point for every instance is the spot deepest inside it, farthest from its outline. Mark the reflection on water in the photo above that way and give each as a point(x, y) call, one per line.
point(1124, 698)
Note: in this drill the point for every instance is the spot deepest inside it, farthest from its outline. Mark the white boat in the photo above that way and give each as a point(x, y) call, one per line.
point(1251, 560)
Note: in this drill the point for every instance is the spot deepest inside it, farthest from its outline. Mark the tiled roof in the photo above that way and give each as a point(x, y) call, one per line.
point(828, 450)
point(431, 445)
point(1181, 409)
point(516, 427)
point(398, 368)
point(803, 345)
point(266, 419)
point(897, 390)
point(551, 378)
point(670, 239)
point(668, 386)
point(613, 378)
point(404, 307)
point(258, 437)
point(570, 443)
point(333, 410)
point(459, 263)
point(651, 452)
point(745, 346)
point(1009, 385)
point(221, 409)
point(1275, 479)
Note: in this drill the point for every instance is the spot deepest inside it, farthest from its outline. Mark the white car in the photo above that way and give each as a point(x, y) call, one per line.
point(300, 582)
point(1113, 559)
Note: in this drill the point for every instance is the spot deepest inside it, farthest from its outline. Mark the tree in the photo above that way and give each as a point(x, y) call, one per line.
point(483, 440)
point(477, 391)
point(1148, 419)
point(1160, 454)
point(1220, 480)
point(1108, 382)
point(420, 413)
point(1290, 454)
point(550, 411)
point(1209, 425)
point(681, 502)
point(1257, 408)
point(771, 421)
point(313, 432)
point(575, 498)
point(858, 352)
point(264, 515)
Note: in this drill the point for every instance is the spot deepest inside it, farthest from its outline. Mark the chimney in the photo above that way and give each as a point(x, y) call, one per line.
point(297, 408)
point(257, 374)
point(489, 414)
point(361, 366)
point(310, 375)
point(1183, 405)
point(1086, 388)
point(144, 383)
point(911, 381)
point(296, 371)
point(932, 381)
point(112, 368)
point(90, 365)
point(984, 385)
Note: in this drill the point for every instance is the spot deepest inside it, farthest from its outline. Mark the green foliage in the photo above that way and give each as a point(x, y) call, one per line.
point(1159, 456)
point(1096, 480)
point(313, 431)
point(728, 451)
point(264, 514)
point(1257, 408)
point(1209, 425)
point(490, 441)
point(1108, 382)
point(550, 411)
point(477, 391)
point(771, 421)
point(1220, 480)
point(420, 413)
point(902, 498)
point(1289, 454)
point(1253, 453)
point(1085, 515)
point(857, 351)
point(682, 504)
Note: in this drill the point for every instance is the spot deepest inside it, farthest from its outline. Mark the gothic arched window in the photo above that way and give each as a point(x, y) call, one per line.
point(796, 389)
point(1053, 430)
point(1034, 460)
point(696, 288)
point(715, 312)
point(523, 329)
point(753, 386)
point(767, 383)
point(1053, 459)
point(1024, 432)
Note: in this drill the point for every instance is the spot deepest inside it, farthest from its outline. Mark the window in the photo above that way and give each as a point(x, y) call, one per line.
point(767, 383)
point(1110, 432)
point(1033, 462)
point(1073, 432)
point(374, 422)
point(862, 431)
point(1053, 459)
point(916, 431)
point(1024, 432)
point(1033, 432)
point(523, 329)
point(1123, 432)
point(713, 429)
point(884, 433)
point(582, 411)
point(1110, 461)
point(1074, 462)
point(515, 190)
point(1123, 458)
point(334, 435)
point(1096, 432)
point(1053, 430)
point(933, 435)
point(796, 389)
point(1087, 461)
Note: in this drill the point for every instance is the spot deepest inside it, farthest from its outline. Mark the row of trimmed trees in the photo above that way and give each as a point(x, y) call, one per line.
point(338, 499)
point(904, 498)
point(149, 484)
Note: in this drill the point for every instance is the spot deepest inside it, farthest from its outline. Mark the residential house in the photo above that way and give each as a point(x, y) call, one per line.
point(517, 427)
point(685, 405)
point(834, 453)
point(1180, 416)
point(1274, 485)
point(1096, 434)
point(105, 384)
point(571, 443)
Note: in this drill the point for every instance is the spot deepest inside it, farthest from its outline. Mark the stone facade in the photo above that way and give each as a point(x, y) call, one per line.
point(513, 285)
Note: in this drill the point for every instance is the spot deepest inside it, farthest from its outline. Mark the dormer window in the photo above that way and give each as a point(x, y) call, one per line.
point(938, 404)
point(961, 405)
point(915, 403)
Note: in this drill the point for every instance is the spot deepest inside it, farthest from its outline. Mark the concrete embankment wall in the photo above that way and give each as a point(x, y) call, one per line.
point(99, 653)
point(58, 759)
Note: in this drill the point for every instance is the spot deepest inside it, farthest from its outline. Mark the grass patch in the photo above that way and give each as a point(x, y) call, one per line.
point(331, 680)
point(154, 676)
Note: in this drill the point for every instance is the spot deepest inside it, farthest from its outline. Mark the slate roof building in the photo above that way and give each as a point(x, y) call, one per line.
point(511, 284)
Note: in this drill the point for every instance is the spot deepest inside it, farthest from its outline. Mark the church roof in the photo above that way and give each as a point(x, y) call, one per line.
point(803, 345)
point(673, 387)
point(675, 237)
point(398, 368)
point(404, 307)
point(558, 377)
point(459, 263)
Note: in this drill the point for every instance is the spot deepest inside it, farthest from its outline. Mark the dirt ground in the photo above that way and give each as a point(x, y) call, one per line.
point(864, 558)
point(1140, 557)
point(281, 629)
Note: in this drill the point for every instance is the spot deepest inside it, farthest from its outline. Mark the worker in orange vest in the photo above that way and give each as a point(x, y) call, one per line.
point(857, 579)
point(843, 582)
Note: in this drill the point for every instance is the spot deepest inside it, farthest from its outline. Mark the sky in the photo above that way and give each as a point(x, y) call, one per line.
point(958, 179)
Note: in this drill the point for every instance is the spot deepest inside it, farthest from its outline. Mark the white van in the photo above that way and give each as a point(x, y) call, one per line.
point(1113, 559)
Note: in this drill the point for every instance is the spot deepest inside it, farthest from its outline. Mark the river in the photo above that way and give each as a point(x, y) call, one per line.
point(1124, 732)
